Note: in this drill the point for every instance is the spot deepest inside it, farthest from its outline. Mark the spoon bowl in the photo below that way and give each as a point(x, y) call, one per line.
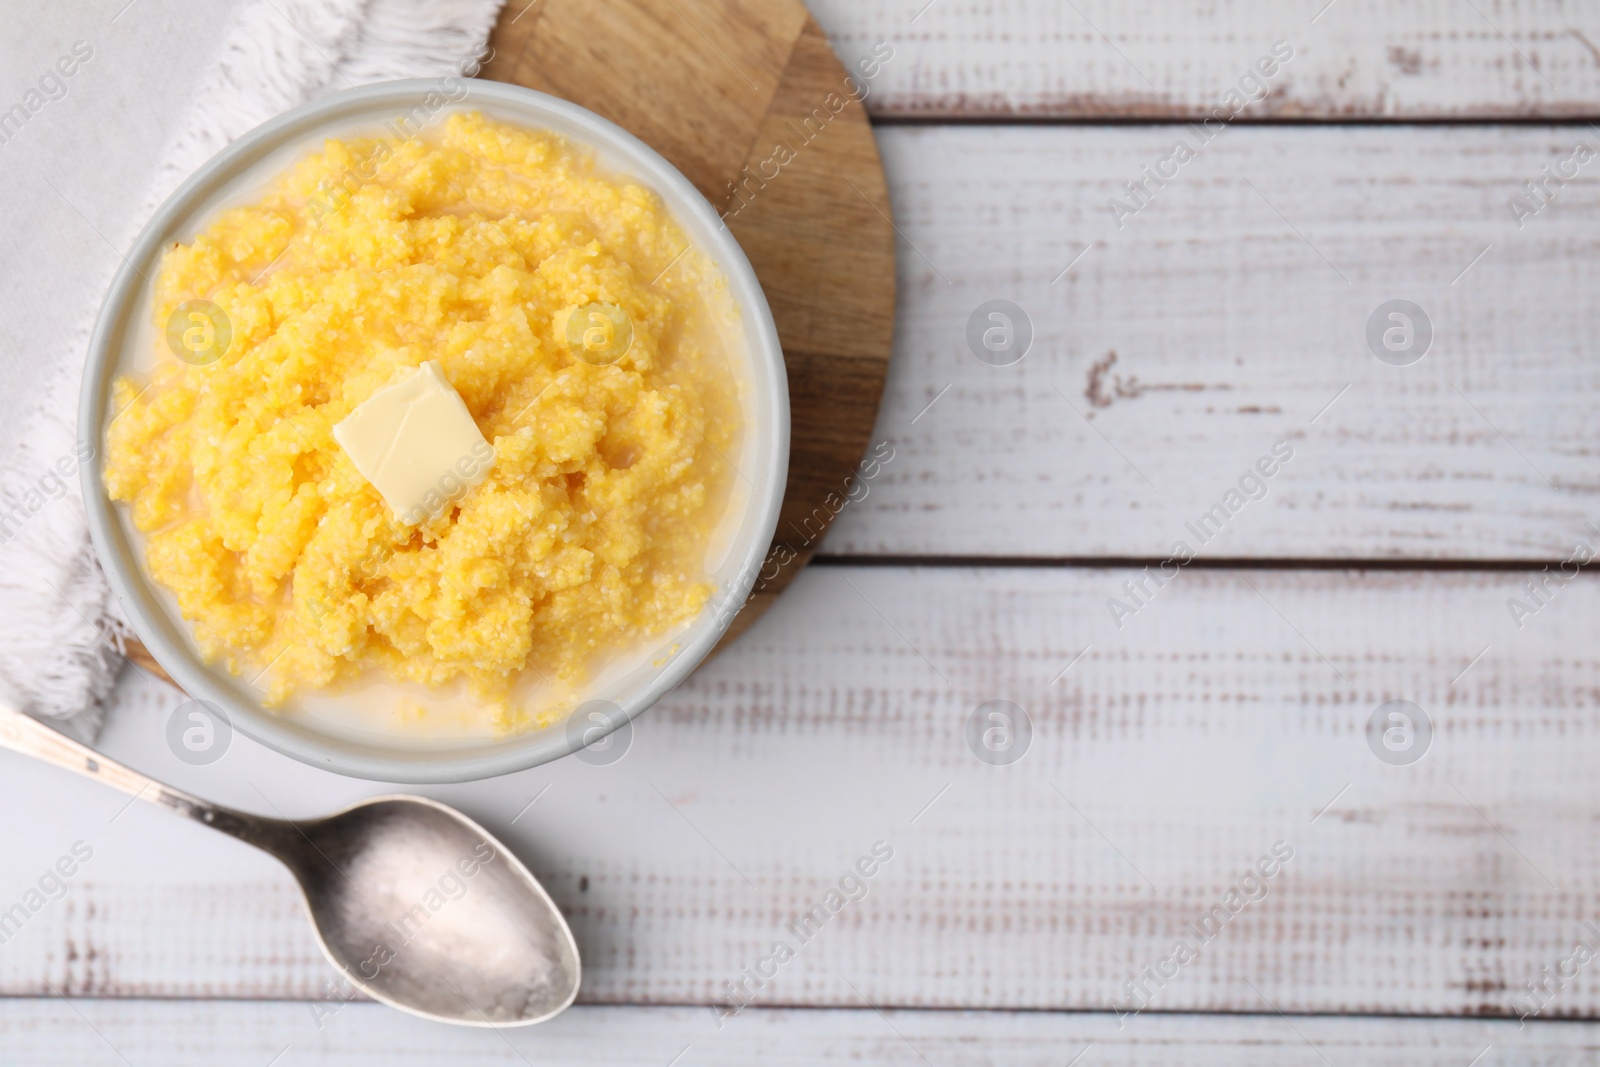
point(425, 911)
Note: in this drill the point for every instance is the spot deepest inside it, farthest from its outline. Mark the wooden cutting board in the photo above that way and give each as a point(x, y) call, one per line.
point(722, 88)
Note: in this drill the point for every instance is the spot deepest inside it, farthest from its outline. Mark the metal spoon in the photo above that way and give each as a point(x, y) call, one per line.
point(415, 903)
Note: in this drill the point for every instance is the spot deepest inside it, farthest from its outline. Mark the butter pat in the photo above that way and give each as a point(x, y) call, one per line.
point(415, 441)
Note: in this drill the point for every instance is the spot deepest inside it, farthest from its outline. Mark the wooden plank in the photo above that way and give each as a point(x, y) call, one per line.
point(180, 1033)
point(1225, 316)
point(1227, 714)
point(1354, 59)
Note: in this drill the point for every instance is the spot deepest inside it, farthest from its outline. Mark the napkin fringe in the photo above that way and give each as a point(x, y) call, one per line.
point(61, 631)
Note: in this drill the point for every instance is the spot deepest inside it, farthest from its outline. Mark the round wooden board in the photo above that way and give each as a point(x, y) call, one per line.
point(722, 88)
point(717, 86)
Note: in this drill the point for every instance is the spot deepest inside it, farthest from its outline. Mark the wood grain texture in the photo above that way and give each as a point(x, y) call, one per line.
point(1154, 59)
point(1229, 314)
point(749, 101)
point(1227, 714)
point(51, 1033)
point(1169, 753)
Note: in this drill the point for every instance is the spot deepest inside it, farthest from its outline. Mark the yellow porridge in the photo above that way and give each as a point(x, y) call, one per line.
point(557, 300)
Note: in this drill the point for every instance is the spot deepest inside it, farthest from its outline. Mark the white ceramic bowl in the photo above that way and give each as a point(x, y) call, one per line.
point(236, 174)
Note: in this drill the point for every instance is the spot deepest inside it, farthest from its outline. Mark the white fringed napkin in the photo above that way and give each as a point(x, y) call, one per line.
point(60, 628)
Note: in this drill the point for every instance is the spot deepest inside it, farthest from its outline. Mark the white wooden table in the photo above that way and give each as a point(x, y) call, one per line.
point(1175, 740)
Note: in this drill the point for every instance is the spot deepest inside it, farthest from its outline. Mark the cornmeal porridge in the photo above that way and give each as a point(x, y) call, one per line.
point(565, 308)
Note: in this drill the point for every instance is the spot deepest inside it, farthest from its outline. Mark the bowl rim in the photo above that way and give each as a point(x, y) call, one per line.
point(136, 592)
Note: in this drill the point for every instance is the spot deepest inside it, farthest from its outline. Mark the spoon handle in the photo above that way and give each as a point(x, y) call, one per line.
point(27, 735)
